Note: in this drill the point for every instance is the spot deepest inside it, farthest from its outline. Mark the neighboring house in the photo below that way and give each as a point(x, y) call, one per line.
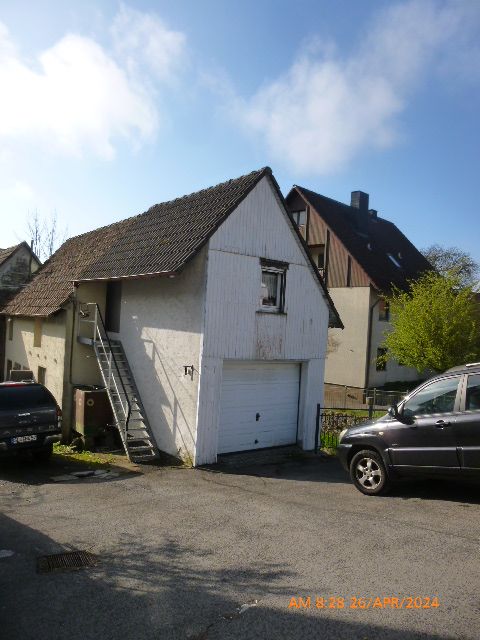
point(360, 256)
point(17, 264)
point(209, 320)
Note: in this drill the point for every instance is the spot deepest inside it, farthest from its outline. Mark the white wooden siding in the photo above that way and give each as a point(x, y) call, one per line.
point(233, 328)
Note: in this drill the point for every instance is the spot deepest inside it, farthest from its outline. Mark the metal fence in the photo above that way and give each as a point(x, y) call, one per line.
point(332, 423)
point(345, 397)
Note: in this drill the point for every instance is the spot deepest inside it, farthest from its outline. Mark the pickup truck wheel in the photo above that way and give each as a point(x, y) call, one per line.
point(44, 454)
point(368, 473)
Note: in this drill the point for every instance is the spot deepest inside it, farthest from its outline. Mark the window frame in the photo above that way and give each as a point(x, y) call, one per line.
point(458, 398)
point(280, 269)
point(463, 398)
point(296, 217)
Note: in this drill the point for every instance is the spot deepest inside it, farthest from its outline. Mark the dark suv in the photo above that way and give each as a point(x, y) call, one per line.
point(433, 430)
point(29, 419)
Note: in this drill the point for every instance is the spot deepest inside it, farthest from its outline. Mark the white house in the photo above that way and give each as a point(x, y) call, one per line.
point(205, 318)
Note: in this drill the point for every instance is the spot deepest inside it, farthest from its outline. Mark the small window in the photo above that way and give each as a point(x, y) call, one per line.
point(37, 333)
point(41, 375)
point(472, 401)
point(437, 397)
point(349, 271)
point(273, 286)
point(381, 364)
point(300, 218)
point(384, 311)
point(10, 328)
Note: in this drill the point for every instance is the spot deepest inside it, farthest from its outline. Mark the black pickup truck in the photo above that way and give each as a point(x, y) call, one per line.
point(29, 419)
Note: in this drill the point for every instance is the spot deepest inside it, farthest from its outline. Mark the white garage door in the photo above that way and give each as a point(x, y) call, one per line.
point(259, 405)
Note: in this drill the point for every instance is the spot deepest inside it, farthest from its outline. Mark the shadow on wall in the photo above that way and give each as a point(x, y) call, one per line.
point(165, 590)
point(174, 425)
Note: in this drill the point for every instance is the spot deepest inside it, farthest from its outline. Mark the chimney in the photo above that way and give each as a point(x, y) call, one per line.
point(373, 213)
point(359, 201)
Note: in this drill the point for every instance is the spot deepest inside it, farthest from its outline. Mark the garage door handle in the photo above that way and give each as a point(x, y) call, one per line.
point(441, 423)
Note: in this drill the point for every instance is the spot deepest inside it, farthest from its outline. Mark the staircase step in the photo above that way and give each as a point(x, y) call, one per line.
point(144, 458)
point(122, 391)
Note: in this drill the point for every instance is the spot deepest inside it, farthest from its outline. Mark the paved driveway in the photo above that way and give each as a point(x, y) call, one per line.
point(182, 550)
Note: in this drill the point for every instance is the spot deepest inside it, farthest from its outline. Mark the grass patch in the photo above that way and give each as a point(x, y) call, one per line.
point(87, 457)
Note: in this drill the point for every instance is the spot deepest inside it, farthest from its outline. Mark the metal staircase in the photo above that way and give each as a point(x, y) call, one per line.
point(128, 411)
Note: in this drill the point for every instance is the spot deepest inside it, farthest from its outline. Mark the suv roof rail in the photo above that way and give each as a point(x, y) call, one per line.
point(473, 364)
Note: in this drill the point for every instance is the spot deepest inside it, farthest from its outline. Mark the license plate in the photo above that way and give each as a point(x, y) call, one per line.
point(22, 439)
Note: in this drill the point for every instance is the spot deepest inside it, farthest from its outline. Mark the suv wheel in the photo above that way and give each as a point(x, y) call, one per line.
point(368, 473)
point(44, 454)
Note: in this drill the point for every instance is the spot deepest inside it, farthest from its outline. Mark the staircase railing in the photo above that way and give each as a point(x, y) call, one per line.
point(112, 376)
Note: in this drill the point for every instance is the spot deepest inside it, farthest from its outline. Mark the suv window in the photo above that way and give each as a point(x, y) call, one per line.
point(25, 397)
point(437, 397)
point(472, 400)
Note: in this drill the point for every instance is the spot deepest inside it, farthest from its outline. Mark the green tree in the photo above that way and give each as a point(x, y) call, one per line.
point(436, 324)
point(447, 260)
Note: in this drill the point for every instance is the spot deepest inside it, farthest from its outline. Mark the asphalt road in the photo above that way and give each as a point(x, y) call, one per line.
point(182, 550)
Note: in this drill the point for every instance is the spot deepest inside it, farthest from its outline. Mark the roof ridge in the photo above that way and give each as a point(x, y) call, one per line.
point(320, 195)
point(265, 170)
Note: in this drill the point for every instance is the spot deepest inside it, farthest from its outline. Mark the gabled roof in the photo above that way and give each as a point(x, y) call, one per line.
point(158, 242)
point(372, 249)
point(5, 254)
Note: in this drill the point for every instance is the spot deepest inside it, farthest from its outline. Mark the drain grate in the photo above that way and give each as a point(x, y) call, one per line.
point(68, 561)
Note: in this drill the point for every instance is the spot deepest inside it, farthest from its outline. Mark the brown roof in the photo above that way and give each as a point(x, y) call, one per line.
point(160, 241)
point(371, 250)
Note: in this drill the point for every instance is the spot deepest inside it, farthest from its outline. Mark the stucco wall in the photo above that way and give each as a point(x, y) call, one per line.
point(50, 354)
point(235, 329)
point(346, 361)
point(85, 368)
point(160, 329)
point(393, 372)
point(347, 353)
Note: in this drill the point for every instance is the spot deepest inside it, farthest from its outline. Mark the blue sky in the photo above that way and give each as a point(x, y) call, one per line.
point(107, 108)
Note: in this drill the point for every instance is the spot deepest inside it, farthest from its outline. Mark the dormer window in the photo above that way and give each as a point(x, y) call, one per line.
point(394, 260)
point(300, 218)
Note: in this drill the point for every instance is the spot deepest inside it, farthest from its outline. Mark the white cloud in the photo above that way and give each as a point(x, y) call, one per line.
point(143, 40)
point(327, 109)
point(79, 97)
